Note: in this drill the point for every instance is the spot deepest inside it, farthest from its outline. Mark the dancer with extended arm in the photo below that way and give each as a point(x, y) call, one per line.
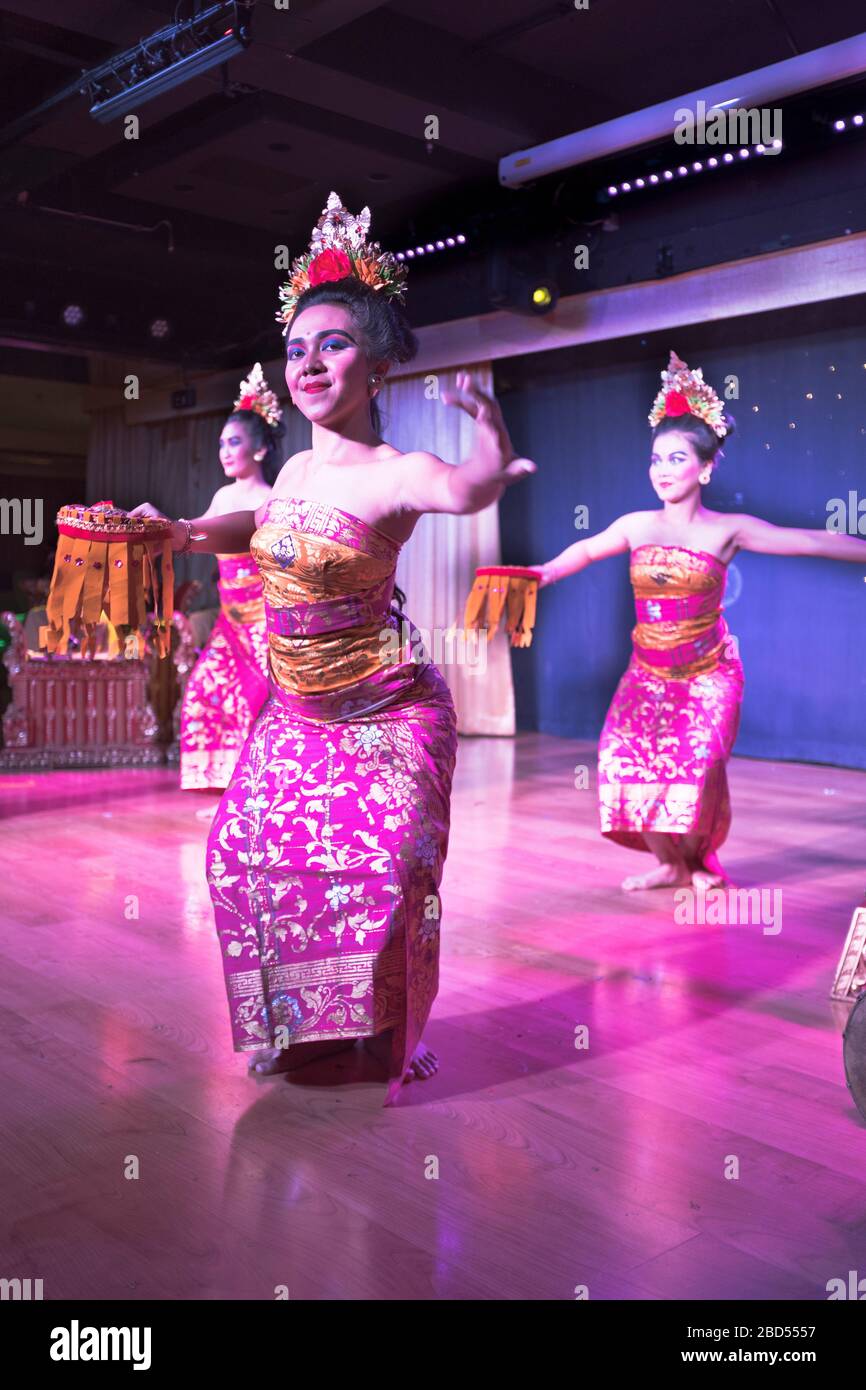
point(662, 755)
point(327, 849)
point(229, 683)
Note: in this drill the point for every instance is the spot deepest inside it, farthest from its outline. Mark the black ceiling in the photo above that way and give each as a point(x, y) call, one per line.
point(330, 94)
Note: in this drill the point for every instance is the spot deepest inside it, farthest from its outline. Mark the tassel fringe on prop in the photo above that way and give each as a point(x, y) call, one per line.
point(504, 589)
point(105, 569)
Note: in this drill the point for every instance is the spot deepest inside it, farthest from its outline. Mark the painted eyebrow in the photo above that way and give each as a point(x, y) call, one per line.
point(325, 333)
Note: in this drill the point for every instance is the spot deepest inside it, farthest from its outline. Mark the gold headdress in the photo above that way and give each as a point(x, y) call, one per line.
point(255, 394)
point(684, 392)
point(339, 249)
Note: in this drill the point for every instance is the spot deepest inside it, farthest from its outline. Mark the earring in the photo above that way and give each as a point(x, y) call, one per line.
point(375, 379)
point(704, 478)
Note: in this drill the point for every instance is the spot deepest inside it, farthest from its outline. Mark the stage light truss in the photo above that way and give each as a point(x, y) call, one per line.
point(167, 59)
point(429, 248)
point(689, 167)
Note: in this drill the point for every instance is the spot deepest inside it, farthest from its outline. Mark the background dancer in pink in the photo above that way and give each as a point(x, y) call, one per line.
point(662, 755)
point(327, 849)
point(229, 683)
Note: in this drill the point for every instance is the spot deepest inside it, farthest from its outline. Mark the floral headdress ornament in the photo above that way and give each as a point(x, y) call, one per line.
point(255, 394)
point(338, 249)
point(684, 392)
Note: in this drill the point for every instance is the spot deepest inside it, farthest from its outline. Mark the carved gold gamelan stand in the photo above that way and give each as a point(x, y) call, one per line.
point(851, 974)
point(849, 988)
point(69, 712)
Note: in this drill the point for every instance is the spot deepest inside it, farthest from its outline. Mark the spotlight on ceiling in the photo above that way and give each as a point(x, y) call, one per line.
point(521, 281)
point(543, 297)
point(73, 315)
point(160, 328)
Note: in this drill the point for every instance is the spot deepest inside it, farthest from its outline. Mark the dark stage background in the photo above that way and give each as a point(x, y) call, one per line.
point(801, 623)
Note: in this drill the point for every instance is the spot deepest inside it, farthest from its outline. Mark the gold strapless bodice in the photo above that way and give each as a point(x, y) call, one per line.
point(680, 632)
point(328, 579)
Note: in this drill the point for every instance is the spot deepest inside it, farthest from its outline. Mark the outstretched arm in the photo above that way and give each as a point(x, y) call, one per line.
point(428, 484)
point(762, 536)
point(576, 557)
point(222, 535)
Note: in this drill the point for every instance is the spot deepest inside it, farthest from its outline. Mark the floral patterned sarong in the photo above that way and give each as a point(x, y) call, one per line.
point(229, 682)
point(327, 849)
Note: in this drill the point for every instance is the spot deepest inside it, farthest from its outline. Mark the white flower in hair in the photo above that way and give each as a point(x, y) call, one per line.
point(255, 394)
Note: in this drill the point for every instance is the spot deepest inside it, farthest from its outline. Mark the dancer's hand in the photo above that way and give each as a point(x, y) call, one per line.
point(149, 510)
point(178, 532)
point(545, 575)
point(493, 447)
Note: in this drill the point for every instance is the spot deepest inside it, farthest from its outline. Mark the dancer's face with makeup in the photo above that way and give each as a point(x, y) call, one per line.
point(238, 454)
point(674, 466)
point(327, 367)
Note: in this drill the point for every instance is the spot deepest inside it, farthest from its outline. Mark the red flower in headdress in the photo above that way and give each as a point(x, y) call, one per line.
point(246, 403)
point(329, 265)
point(676, 404)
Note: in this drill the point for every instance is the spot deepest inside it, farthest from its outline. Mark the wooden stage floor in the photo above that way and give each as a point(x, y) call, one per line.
point(558, 1167)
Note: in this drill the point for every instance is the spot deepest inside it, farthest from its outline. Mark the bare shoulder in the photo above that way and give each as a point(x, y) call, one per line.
point(288, 474)
point(222, 502)
point(420, 461)
point(635, 526)
point(728, 528)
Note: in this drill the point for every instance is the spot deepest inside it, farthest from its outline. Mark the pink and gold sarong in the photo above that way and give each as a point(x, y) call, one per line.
point(327, 849)
point(229, 683)
point(675, 714)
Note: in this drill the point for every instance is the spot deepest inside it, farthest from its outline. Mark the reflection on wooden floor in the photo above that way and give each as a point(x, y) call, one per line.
point(558, 1167)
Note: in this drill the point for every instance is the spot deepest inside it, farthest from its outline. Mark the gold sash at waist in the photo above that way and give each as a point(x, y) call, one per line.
point(327, 661)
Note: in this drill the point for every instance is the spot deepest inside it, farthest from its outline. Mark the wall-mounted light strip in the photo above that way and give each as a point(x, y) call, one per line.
point(692, 166)
point(429, 248)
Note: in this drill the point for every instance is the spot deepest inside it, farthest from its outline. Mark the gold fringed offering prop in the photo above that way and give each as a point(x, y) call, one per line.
point(105, 568)
point(504, 589)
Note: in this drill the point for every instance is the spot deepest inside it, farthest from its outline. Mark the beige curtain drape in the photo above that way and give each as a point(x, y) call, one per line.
point(437, 566)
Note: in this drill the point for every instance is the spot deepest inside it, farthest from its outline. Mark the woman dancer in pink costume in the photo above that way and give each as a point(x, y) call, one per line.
point(673, 720)
point(229, 683)
point(327, 849)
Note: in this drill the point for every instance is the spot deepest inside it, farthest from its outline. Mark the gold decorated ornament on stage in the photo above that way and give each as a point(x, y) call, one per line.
point(684, 392)
point(507, 590)
point(105, 570)
point(255, 394)
point(339, 249)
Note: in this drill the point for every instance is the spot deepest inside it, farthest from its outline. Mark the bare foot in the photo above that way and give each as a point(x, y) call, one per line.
point(704, 878)
point(278, 1059)
point(708, 873)
point(664, 876)
point(422, 1064)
